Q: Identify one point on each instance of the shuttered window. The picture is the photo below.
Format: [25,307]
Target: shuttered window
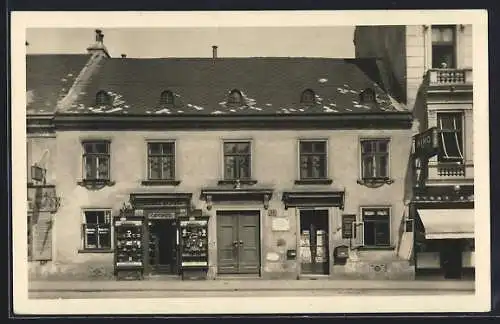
[42,236]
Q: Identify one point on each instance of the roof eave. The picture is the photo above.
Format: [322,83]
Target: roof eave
[384,120]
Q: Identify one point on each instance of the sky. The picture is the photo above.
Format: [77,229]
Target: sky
[334,41]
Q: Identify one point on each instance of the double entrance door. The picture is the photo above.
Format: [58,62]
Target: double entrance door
[238,242]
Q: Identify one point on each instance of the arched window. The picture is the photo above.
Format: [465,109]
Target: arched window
[235,97]
[102,98]
[367,96]
[167,98]
[307,97]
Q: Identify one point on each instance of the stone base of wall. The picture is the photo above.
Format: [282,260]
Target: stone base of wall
[74,271]
[374,270]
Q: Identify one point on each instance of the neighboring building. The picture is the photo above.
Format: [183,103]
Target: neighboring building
[282,154]
[429,68]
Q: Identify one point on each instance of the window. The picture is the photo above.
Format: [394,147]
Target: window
[312,159]
[166,98]
[235,98]
[96,160]
[161,161]
[308,97]
[367,96]
[375,159]
[102,98]
[97,230]
[376,223]
[451,138]
[237,160]
[443,47]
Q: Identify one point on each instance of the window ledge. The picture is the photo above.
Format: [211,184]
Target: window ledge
[96,251]
[314,182]
[233,182]
[376,248]
[375,182]
[96,184]
[160,182]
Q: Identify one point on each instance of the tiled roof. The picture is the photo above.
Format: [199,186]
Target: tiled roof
[49,78]
[201,86]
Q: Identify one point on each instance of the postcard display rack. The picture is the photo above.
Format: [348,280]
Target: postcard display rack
[313,250]
[128,249]
[194,247]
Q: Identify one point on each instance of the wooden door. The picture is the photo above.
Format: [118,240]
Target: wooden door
[248,243]
[227,238]
[238,242]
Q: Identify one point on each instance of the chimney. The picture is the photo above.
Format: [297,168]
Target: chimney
[124,55]
[214,51]
[98,46]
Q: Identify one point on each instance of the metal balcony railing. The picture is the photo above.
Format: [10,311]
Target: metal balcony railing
[450,170]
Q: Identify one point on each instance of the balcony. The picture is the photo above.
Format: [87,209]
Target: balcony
[450,172]
[450,77]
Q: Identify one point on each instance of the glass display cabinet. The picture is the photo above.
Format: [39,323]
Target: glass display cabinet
[194,247]
[128,249]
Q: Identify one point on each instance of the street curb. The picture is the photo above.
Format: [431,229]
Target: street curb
[243,289]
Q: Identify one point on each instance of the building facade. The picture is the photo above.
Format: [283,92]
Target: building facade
[434,78]
[300,165]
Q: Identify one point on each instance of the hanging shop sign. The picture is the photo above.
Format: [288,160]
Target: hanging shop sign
[38,173]
[426,143]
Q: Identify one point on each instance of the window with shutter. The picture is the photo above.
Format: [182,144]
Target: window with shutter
[42,236]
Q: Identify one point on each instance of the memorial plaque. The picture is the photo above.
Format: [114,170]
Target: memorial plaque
[280,224]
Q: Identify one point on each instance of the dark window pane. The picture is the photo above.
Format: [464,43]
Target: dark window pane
[450,145]
[243,147]
[368,167]
[304,167]
[382,146]
[366,146]
[229,167]
[382,166]
[319,147]
[443,56]
[244,167]
[103,168]
[369,230]
[381,233]
[91,217]
[154,168]
[101,147]
[104,233]
[168,168]
[230,148]
[306,147]
[168,148]
[154,148]
[88,148]
[90,167]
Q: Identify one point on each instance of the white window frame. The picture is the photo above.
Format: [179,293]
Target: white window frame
[250,141]
[84,161]
[438,126]
[327,157]
[111,228]
[161,141]
[362,221]
[360,154]
[428,46]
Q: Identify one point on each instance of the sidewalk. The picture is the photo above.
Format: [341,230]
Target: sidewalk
[247,285]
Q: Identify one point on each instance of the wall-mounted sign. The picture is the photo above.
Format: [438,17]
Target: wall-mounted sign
[162,215]
[427,143]
[347,223]
[37,173]
[280,224]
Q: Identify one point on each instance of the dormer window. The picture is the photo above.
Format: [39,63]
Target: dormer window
[102,98]
[167,98]
[367,96]
[235,97]
[307,97]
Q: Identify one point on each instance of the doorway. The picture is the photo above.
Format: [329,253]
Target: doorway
[451,256]
[238,242]
[163,246]
[314,252]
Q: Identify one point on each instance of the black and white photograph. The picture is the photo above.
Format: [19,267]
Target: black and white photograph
[270,162]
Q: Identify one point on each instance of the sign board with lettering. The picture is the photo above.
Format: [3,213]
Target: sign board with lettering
[347,223]
[280,224]
[426,143]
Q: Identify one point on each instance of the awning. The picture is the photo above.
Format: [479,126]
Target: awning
[447,223]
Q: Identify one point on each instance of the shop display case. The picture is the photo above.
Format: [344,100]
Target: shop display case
[194,247]
[128,249]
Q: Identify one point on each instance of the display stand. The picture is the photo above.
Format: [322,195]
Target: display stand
[194,247]
[128,248]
